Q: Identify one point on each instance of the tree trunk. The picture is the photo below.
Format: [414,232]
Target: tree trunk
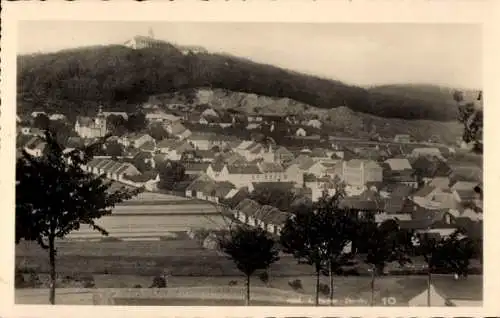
[331,285]
[317,286]
[372,286]
[247,298]
[52,260]
[429,286]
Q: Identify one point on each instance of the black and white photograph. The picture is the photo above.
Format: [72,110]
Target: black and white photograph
[163,163]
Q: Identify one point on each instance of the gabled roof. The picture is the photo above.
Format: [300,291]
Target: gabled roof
[398,164]
[177,128]
[148,146]
[243,169]
[168,144]
[283,151]
[196,166]
[248,207]
[424,191]
[271,167]
[464,185]
[466,195]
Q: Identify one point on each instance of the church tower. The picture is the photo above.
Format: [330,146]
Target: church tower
[100,122]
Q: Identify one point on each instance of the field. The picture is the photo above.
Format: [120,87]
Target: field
[135,263]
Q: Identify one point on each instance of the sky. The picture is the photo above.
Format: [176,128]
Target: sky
[360,54]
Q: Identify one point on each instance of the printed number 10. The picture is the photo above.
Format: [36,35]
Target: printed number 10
[389,301]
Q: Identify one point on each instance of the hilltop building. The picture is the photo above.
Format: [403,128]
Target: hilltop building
[143,42]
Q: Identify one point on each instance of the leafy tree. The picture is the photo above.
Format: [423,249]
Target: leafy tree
[300,237]
[114,149]
[136,122]
[251,249]
[470,114]
[456,252]
[55,196]
[41,121]
[428,247]
[170,173]
[385,243]
[339,229]
[445,253]
[322,235]
[158,132]
[274,196]
[116,124]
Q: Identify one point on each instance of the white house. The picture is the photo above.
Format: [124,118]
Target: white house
[239,175]
[300,132]
[315,123]
[57,117]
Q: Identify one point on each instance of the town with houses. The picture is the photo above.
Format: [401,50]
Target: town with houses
[203,163]
[403,179]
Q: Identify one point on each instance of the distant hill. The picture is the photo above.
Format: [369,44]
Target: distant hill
[76,81]
[439,96]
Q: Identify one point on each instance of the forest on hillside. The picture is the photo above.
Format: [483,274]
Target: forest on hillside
[76,81]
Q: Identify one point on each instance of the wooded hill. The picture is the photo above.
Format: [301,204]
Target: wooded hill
[75,81]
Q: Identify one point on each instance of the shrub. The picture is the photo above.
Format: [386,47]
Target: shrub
[159,282]
[33,281]
[324,289]
[295,284]
[264,277]
[88,282]
[19,279]
[233,283]
[137,286]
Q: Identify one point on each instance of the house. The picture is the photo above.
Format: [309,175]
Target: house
[149,180]
[178,130]
[200,141]
[315,123]
[148,146]
[283,155]
[35,146]
[446,291]
[209,112]
[204,155]
[196,168]
[357,172]
[318,154]
[223,141]
[398,164]
[255,118]
[440,182]
[38,113]
[123,115]
[245,210]
[87,127]
[174,148]
[135,140]
[239,175]
[319,186]
[252,151]
[111,169]
[300,132]
[57,117]
[433,198]
[295,174]
[272,172]
[253,126]
[402,138]
[427,152]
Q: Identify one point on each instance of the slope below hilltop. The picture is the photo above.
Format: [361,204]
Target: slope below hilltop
[340,120]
